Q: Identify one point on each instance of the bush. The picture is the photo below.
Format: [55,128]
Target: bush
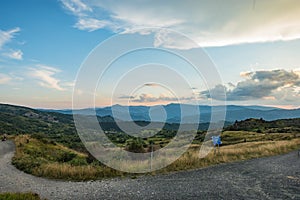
[259,131]
[66,157]
[77,161]
[38,136]
[136,146]
[26,163]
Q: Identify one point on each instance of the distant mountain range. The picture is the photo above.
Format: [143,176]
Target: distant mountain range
[171,113]
[18,119]
[21,120]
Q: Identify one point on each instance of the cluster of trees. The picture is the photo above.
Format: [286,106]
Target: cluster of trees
[263,126]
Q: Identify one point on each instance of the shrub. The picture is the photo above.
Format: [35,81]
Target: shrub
[66,157]
[90,158]
[26,163]
[77,161]
[136,146]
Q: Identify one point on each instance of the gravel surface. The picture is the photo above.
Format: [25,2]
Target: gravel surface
[275,177]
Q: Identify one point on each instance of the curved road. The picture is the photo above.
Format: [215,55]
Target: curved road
[275,177]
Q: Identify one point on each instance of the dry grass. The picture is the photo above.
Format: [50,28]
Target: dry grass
[69,172]
[66,171]
[56,161]
[231,153]
[38,158]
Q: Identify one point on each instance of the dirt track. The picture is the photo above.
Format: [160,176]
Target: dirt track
[275,177]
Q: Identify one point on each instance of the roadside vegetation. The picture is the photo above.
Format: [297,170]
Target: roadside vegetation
[42,157]
[47,144]
[232,153]
[46,158]
[19,196]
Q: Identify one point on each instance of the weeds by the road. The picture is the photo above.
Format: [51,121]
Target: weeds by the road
[48,159]
[19,196]
[231,153]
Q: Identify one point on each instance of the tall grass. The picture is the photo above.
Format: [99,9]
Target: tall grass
[42,158]
[45,159]
[231,153]
[68,172]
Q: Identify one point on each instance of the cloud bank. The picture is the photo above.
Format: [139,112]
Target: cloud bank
[268,85]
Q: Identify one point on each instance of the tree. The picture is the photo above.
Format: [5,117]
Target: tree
[136,146]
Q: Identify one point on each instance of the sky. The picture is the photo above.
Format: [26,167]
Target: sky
[253,45]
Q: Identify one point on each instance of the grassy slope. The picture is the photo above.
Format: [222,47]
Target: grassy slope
[41,153]
[232,153]
[47,159]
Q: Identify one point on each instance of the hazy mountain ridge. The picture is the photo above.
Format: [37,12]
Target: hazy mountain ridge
[173,113]
[18,119]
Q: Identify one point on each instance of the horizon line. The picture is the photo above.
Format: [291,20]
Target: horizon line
[284,107]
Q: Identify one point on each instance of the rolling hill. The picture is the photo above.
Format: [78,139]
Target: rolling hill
[20,120]
[173,112]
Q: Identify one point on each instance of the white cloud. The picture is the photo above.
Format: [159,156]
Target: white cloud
[77,7]
[45,75]
[173,40]
[14,54]
[84,13]
[143,98]
[209,23]
[4,78]
[6,36]
[69,84]
[90,24]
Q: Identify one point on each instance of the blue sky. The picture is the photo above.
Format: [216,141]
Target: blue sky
[253,44]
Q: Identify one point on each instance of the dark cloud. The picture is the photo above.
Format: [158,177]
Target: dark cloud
[151,84]
[257,85]
[279,75]
[218,92]
[231,84]
[149,98]
[126,97]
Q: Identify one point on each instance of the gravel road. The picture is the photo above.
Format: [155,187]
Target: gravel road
[275,177]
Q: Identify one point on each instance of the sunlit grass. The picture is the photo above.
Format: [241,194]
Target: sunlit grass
[56,161]
[231,153]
